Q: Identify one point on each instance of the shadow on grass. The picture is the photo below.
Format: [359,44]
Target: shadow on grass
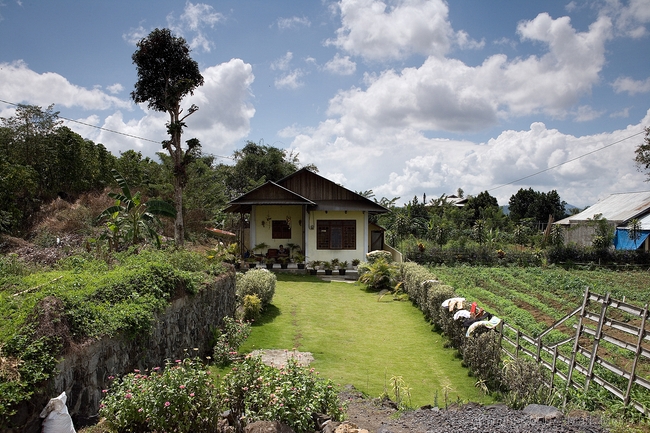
[301,278]
[268,316]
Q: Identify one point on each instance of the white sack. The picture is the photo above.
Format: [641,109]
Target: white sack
[57,419]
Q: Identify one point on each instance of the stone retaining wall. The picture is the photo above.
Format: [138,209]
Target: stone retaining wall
[83,372]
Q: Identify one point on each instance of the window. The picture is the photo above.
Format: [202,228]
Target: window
[281,229]
[336,235]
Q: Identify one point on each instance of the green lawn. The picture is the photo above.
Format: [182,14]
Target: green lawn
[357,340]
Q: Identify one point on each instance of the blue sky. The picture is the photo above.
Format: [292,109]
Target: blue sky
[403,97]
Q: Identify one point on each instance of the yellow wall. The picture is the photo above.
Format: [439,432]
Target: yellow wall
[262,230]
[342,255]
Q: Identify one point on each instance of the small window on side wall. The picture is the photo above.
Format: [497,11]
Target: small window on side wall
[281,229]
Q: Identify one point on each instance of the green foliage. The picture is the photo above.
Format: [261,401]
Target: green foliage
[251,307]
[482,355]
[289,394]
[180,398]
[130,220]
[229,338]
[381,275]
[642,158]
[259,282]
[373,256]
[526,382]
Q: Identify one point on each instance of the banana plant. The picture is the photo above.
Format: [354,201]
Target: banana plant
[130,219]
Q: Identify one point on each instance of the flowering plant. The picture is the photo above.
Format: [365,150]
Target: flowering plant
[290,394]
[228,340]
[181,397]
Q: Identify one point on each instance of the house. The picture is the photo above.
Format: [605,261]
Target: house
[618,209]
[322,219]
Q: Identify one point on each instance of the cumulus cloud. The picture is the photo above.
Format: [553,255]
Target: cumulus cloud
[585,113]
[194,19]
[341,65]
[223,118]
[20,84]
[115,88]
[394,29]
[292,23]
[446,94]
[630,19]
[290,80]
[631,86]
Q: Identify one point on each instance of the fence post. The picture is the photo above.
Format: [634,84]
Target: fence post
[576,345]
[639,348]
[594,349]
[517,346]
[553,368]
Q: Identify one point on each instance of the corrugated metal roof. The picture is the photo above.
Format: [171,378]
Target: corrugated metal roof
[619,208]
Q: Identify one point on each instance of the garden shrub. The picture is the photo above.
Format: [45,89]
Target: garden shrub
[482,355]
[228,339]
[251,308]
[373,256]
[259,282]
[436,294]
[181,397]
[381,275]
[289,394]
[526,382]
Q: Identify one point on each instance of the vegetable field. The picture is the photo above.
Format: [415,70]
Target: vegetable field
[612,350]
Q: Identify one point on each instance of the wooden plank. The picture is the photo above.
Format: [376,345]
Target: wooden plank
[621,326]
[628,308]
[561,321]
[639,349]
[597,337]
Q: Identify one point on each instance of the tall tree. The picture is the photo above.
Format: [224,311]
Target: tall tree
[527,203]
[166,74]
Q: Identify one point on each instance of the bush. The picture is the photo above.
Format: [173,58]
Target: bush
[289,394]
[180,398]
[228,339]
[381,275]
[251,308]
[526,382]
[259,282]
[373,256]
[482,355]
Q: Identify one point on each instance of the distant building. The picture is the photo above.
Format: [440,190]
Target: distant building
[618,209]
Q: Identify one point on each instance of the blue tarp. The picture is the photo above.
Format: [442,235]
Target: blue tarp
[622,239]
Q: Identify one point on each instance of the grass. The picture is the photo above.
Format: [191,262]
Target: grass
[357,340]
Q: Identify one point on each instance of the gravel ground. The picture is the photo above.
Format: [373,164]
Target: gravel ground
[382,417]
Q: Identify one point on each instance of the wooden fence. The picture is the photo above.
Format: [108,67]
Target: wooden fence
[606,347]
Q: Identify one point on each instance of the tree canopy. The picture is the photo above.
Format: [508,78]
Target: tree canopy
[536,205]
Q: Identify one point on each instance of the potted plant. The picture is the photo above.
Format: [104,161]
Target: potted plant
[328,268]
[269,263]
[342,267]
[355,263]
[252,262]
[260,247]
[335,263]
[313,267]
[300,260]
[284,262]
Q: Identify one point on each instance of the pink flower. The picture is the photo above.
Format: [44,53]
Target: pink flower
[182,387]
[104,391]
[128,395]
[156,368]
[191,394]
[136,370]
[140,410]
[178,360]
[167,404]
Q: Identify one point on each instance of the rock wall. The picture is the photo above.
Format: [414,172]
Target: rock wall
[83,372]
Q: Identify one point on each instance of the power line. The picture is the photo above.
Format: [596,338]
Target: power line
[106,129]
[566,162]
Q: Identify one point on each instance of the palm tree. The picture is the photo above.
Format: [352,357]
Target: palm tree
[131,220]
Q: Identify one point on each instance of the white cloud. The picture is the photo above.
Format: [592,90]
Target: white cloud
[585,113]
[115,88]
[630,19]
[290,80]
[631,86]
[283,63]
[293,22]
[135,35]
[393,30]
[341,65]
[223,118]
[465,42]
[20,84]
[624,113]
[194,19]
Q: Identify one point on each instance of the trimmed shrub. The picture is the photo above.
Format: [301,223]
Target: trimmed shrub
[482,355]
[526,383]
[436,294]
[251,307]
[373,256]
[259,282]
